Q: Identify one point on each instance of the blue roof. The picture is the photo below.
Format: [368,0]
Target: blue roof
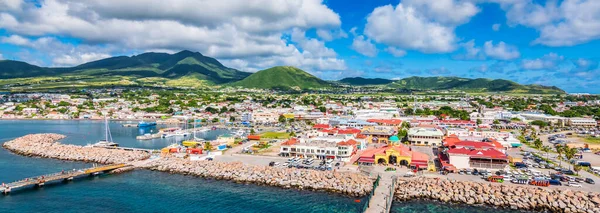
[394,138]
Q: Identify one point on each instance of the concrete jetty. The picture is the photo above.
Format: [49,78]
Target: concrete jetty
[41,180]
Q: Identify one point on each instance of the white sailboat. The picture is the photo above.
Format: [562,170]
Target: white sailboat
[108,141]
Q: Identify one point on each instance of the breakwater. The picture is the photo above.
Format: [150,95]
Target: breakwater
[352,184]
[47,146]
[498,195]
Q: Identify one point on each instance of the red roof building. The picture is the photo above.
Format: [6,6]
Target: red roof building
[395,155]
[254,137]
[321,126]
[386,122]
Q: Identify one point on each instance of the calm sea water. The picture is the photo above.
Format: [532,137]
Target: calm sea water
[147,191]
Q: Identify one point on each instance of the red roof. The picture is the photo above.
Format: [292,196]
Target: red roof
[479,153]
[474,145]
[451,140]
[253,137]
[385,121]
[290,142]
[349,131]
[456,122]
[347,143]
[321,126]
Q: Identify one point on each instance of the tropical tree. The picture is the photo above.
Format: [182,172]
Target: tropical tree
[577,168]
[559,149]
[281,119]
[478,121]
[570,154]
[252,132]
[537,143]
[546,149]
[208,146]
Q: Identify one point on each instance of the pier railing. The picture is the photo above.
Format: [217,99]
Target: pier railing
[390,198]
[367,202]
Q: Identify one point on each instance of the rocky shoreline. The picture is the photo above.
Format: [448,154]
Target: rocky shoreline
[497,195]
[47,146]
[352,184]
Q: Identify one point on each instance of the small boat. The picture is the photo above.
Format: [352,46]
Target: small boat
[239,133]
[146,124]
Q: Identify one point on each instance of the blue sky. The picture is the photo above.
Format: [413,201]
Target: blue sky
[529,41]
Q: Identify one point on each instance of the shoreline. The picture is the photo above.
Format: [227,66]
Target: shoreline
[497,195]
[47,146]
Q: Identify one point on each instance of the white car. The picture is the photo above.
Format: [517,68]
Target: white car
[575,184]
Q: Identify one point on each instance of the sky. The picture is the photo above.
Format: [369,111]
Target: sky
[553,42]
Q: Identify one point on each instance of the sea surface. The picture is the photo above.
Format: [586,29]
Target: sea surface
[149,191]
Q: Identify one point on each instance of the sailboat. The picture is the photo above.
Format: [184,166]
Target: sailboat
[107,136]
[194,141]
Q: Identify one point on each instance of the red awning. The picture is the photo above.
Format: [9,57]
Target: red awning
[366,160]
[331,157]
[419,164]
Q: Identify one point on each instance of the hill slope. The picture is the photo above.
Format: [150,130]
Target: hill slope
[470,85]
[281,77]
[181,64]
[18,69]
[360,81]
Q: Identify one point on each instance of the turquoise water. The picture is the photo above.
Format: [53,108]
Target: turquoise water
[148,191]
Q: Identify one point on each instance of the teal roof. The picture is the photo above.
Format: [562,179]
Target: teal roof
[394,138]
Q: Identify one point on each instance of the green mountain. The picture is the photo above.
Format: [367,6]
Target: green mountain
[171,66]
[471,85]
[282,77]
[360,81]
[18,69]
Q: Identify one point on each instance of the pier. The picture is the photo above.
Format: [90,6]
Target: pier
[382,196]
[39,181]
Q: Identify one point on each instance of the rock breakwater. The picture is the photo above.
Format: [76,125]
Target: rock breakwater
[352,184]
[507,196]
[47,146]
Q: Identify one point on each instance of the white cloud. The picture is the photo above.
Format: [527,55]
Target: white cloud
[8,5]
[547,62]
[62,54]
[330,35]
[364,46]
[501,51]
[396,52]
[496,27]
[469,52]
[569,23]
[426,26]
[253,30]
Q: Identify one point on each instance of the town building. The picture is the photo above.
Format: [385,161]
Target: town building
[378,134]
[425,136]
[319,148]
[582,122]
[394,154]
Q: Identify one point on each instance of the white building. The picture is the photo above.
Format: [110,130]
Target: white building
[265,117]
[319,148]
[424,136]
[586,122]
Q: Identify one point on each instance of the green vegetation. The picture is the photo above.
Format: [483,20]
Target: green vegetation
[539,123]
[593,140]
[472,85]
[359,81]
[282,77]
[275,135]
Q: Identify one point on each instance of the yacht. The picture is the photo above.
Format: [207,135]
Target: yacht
[107,136]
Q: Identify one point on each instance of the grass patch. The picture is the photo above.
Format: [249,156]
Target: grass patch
[275,135]
[593,140]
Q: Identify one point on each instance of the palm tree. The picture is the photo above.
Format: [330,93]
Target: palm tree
[577,168]
[570,154]
[559,149]
[537,144]
[208,146]
[546,149]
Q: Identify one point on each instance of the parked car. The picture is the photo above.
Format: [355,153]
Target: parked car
[555,182]
[590,181]
[574,184]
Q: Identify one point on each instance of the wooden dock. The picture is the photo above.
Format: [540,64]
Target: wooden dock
[39,181]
